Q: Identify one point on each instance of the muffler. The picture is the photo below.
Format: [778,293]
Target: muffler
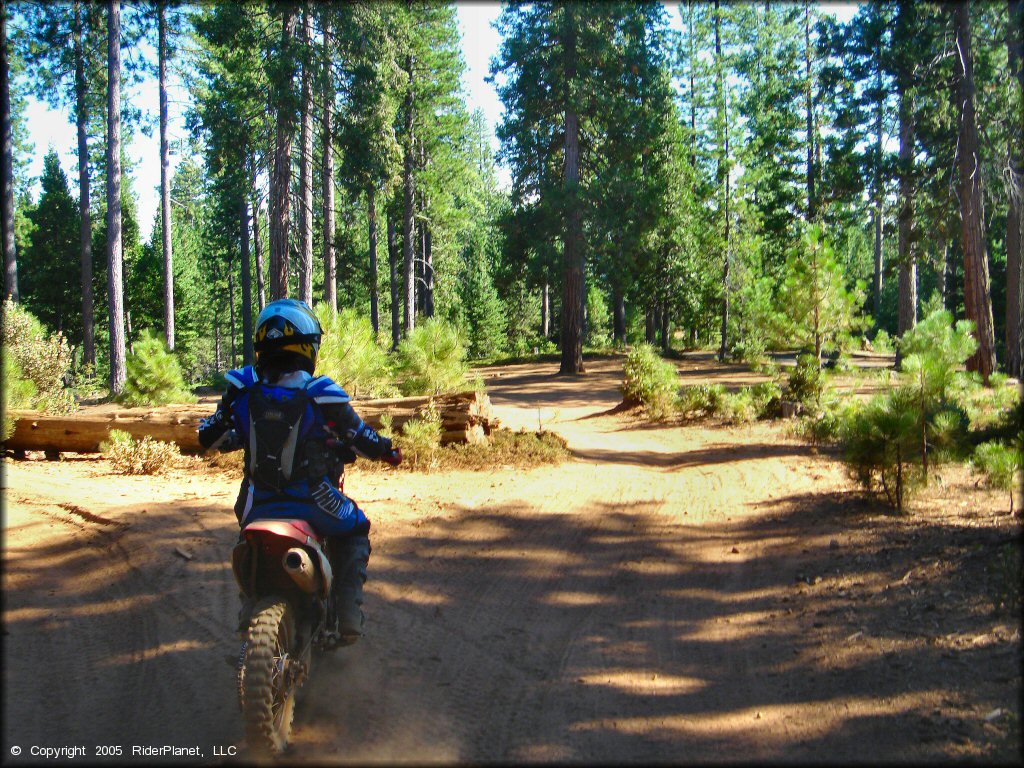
[299,565]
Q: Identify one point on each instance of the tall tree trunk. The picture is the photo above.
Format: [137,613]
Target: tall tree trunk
[428,271]
[943,276]
[371,223]
[243,228]
[618,313]
[306,167]
[330,265]
[1015,213]
[907,284]
[115,288]
[545,310]
[876,194]
[165,180]
[231,307]
[257,242]
[693,98]
[666,341]
[7,163]
[216,339]
[396,328]
[650,326]
[977,289]
[280,181]
[408,236]
[723,171]
[85,227]
[573,259]
[812,203]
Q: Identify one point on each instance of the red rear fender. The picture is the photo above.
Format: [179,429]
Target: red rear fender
[297,530]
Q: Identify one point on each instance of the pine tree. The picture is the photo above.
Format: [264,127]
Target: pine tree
[49,289]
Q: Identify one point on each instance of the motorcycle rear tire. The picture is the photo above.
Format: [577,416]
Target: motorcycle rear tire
[268,699]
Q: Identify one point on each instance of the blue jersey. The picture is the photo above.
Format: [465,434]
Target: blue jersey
[306,487]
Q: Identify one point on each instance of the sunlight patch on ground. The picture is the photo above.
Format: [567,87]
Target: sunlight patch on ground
[781,725]
[178,646]
[646,681]
[101,608]
[575,599]
[410,594]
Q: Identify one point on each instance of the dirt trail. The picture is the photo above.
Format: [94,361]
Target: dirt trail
[674,593]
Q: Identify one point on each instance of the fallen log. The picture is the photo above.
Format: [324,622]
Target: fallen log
[465,417]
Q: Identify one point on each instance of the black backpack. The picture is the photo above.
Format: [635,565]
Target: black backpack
[275,450]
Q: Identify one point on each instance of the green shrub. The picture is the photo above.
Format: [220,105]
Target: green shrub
[941,347]
[701,399]
[650,381]
[431,360]
[1000,464]
[891,441]
[129,456]
[421,439]
[882,342]
[738,408]
[17,392]
[767,396]
[42,358]
[880,444]
[351,356]
[806,383]
[153,375]
[505,447]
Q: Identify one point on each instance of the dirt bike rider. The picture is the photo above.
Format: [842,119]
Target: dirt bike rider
[298,431]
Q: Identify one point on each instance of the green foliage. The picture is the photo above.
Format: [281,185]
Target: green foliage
[882,342]
[650,381]
[766,396]
[153,375]
[881,443]
[701,399]
[739,407]
[504,448]
[939,348]
[598,318]
[17,392]
[50,289]
[129,456]
[351,356]
[1000,464]
[892,441]
[806,383]
[421,439]
[42,358]
[818,309]
[483,312]
[431,360]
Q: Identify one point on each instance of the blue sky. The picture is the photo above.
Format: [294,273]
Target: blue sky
[480,40]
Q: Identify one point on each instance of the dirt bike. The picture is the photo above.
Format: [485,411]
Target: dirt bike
[283,570]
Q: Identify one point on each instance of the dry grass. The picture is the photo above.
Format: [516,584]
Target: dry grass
[504,448]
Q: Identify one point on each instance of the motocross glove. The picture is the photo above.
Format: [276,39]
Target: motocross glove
[394,458]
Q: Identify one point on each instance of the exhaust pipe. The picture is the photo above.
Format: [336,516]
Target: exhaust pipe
[299,565]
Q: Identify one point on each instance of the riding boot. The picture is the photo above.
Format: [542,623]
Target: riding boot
[351,555]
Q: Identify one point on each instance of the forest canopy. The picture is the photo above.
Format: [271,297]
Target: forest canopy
[741,177]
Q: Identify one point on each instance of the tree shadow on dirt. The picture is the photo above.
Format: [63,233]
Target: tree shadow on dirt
[620,641]
[719,454]
[112,637]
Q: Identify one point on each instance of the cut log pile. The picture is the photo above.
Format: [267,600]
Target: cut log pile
[466,417]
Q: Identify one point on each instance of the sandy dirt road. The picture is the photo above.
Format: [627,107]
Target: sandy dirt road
[681,593]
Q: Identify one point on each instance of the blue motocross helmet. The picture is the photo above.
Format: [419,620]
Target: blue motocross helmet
[288,328]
